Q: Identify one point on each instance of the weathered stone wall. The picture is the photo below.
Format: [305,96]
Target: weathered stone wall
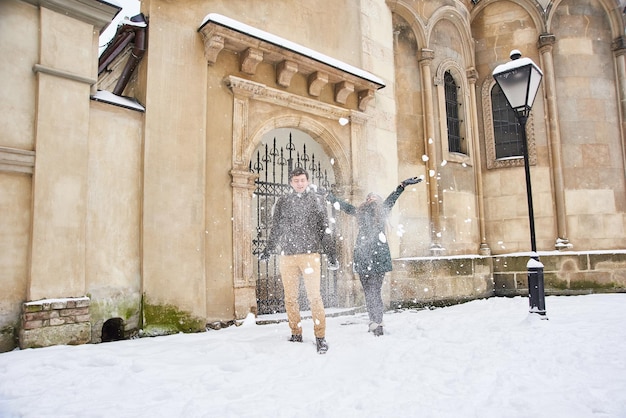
[438,281]
[564,273]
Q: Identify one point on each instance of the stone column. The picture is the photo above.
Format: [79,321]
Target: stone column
[243,275]
[484,249]
[425,58]
[619,50]
[545,44]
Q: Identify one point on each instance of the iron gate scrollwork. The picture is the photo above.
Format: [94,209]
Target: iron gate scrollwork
[273,164]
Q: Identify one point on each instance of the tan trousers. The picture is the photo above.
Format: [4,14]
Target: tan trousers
[307,266]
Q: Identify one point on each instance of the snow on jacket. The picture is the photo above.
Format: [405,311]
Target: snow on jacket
[300,225]
[371,250]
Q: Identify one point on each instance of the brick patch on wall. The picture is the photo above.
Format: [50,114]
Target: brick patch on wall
[48,322]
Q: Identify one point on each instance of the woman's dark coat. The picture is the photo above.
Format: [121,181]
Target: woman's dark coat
[371,250]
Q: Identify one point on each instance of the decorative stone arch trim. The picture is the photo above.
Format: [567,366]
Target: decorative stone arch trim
[299,112]
[614,11]
[532,7]
[460,20]
[414,20]
[490,140]
[459,75]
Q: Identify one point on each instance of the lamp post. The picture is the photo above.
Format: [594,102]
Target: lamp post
[519,80]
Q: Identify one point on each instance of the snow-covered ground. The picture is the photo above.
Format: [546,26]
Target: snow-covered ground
[485,358]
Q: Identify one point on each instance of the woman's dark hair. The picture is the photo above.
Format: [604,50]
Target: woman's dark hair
[298,171]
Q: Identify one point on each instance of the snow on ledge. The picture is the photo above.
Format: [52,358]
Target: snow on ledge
[292,46]
[57,300]
[127,102]
[517,254]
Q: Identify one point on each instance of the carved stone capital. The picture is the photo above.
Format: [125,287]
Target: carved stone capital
[619,45]
[425,56]
[243,179]
[546,42]
[472,75]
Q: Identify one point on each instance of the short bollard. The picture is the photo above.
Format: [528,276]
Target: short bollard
[536,293]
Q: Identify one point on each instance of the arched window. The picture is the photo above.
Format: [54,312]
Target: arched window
[506,128]
[452,114]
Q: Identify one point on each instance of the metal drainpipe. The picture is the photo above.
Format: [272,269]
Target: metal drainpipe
[111,53]
[135,57]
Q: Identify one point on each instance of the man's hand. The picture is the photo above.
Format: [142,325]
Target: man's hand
[333,263]
[264,255]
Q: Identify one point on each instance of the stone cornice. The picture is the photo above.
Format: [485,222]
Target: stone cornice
[287,61]
[94,12]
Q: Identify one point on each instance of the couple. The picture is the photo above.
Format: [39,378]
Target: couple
[300,225]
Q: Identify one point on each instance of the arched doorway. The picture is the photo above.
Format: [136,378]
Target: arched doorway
[280,151]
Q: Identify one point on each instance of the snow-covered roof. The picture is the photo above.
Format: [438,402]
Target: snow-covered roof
[292,46]
[122,101]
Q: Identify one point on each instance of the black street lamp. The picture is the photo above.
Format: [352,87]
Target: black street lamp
[519,80]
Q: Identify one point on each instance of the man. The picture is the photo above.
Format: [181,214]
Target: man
[300,227]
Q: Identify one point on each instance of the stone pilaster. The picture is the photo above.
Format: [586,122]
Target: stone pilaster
[545,44]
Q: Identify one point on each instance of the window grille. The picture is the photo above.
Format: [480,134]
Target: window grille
[452,114]
[506,128]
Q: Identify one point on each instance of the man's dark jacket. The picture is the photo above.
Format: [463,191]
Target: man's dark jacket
[300,226]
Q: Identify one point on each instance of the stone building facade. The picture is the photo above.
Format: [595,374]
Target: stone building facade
[138,206]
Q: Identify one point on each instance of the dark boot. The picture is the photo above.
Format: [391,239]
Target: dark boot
[378,331]
[322,345]
[295,338]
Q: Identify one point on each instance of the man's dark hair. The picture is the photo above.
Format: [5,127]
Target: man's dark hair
[298,171]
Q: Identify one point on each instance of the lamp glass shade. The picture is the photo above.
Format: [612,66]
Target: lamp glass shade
[519,80]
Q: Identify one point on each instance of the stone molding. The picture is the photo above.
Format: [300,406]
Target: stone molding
[38,68]
[16,160]
[490,140]
[95,13]
[464,108]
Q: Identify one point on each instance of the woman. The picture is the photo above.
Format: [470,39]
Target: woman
[372,258]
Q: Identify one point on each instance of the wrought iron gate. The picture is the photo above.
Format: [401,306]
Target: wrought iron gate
[273,164]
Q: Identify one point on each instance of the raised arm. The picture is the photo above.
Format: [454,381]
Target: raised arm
[393,197]
[343,205]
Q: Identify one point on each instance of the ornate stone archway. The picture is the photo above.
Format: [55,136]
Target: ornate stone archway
[317,119]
